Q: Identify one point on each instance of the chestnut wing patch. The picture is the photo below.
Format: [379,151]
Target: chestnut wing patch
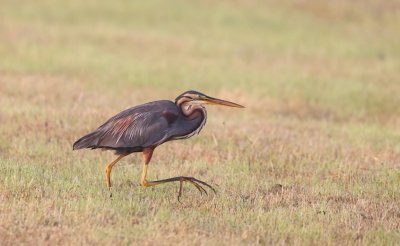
[170,117]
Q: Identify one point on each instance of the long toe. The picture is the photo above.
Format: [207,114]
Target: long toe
[195,183]
[189,180]
[204,183]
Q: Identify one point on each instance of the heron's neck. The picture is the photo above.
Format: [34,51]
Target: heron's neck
[196,113]
[191,112]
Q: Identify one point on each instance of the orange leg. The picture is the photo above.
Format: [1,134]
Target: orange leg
[147,154]
[108,170]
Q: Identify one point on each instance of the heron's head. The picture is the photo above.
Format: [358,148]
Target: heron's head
[197,98]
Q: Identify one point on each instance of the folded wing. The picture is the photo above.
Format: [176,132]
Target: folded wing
[134,128]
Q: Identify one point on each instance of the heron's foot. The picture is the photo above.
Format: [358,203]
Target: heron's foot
[194,182]
[181,179]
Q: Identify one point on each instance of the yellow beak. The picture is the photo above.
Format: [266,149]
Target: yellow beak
[215,101]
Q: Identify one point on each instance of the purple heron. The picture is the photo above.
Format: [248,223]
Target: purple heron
[145,127]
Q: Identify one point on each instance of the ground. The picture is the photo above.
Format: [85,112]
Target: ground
[313,159]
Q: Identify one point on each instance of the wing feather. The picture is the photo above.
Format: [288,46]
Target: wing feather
[140,126]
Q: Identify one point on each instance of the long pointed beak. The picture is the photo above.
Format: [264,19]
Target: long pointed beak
[215,101]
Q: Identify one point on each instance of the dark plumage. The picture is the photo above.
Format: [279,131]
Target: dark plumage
[144,127]
[134,129]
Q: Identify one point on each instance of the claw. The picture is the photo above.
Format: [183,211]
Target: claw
[204,183]
[193,183]
[196,185]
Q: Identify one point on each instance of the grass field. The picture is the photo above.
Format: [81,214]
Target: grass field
[314,159]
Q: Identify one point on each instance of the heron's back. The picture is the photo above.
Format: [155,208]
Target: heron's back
[133,129]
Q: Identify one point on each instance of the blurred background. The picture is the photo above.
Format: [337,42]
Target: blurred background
[313,59]
[319,80]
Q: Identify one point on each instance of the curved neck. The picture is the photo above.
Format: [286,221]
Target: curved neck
[189,113]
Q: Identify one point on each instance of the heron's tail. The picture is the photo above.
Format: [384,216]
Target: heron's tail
[89,141]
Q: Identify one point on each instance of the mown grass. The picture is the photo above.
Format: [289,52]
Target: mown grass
[313,159]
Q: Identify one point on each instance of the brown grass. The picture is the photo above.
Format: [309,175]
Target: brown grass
[314,158]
